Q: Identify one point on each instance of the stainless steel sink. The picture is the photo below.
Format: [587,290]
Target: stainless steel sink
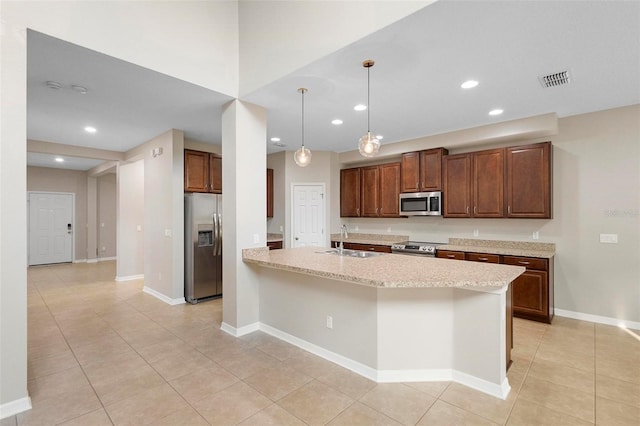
[352,253]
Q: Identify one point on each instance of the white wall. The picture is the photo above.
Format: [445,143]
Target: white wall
[130,215]
[107,192]
[596,190]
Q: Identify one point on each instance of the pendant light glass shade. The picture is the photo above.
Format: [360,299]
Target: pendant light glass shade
[302,156]
[368,145]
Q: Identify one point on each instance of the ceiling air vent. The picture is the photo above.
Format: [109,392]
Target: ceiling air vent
[556,79]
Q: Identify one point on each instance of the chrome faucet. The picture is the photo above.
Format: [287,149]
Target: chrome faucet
[343,232]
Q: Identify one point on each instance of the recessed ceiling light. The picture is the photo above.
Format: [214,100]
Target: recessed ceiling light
[360,107]
[336,122]
[280,144]
[90,129]
[469,84]
[275,139]
[59,160]
[497,111]
[379,137]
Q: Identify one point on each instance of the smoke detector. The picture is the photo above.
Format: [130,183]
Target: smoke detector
[556,79]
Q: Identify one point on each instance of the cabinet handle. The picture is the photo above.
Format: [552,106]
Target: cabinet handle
[484,259]
[522,262]
[377,211]
[372,248]
[358,211]
[509,209]
[475,209]
[451,256]
[418,186]
[467,209]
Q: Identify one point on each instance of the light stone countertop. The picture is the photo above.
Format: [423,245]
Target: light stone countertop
[387,270]
[509,248]
[377,239]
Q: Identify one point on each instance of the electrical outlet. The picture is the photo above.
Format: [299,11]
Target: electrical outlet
[476,233]
[256,238]
[329,321]
[167,232]
[281,228]
[609,238]
[536,235]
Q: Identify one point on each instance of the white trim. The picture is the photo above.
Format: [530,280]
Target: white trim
[92,261]
[598,319]
[80,261]
[325,227]
[237,332]
[393,376]
[130,278]
[12,408]
[106,259]
[162,297]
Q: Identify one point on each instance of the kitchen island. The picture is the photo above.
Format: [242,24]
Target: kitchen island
[391,318]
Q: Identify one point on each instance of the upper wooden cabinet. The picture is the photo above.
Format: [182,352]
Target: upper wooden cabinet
[350,192]
[422,170]
[202,172]
[457,186]
[529,180]
[371,191]
[270,193]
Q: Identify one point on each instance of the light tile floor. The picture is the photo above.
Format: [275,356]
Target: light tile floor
[103,353]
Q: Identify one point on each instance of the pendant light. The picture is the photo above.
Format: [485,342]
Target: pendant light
[302,156]
[368,145]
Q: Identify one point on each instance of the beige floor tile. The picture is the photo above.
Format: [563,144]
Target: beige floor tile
[360,414]
[279,350]
[347,382]
[54,346]
[101,351]
[63,381]
[182,363]
[616,413]
[442,414]
[527,413]
[250,362]
[562,374]
[618,369]
[432,388]
[315,403]
[277,382]
[311,365]
[618,390]
[231,406]
[59,406]
[489,407]
[141,338]
[202,383]
[39,367]
[94,418]
[582,361]
[184,417]
[273,415]
[157,351]
[129,385]
[115,368]
[147,407]
[398,401]
[559,398]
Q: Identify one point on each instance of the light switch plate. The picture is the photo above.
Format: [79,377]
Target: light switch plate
[476,232]
[536,235]
[256,238]
[609,238]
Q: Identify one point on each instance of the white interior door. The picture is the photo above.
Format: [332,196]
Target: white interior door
[50,228]
[308,215]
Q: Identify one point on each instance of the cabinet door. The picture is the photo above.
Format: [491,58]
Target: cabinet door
[350,192]
[370,191]
[488,183]
[389,190]
[196,171]
[530,295]
[529,181]
[457,185]
[431,169]
[410,165]
[270,193]
[483,257]
[215,173]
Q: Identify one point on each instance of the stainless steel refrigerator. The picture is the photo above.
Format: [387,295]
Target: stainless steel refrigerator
[202,246]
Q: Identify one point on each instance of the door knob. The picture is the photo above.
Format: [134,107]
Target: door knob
[296,238]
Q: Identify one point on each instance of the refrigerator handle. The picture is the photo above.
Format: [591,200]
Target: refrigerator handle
[215,234]
[219,234]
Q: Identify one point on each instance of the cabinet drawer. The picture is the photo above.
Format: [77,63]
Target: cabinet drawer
[528,262]
[448,254]
[274,245]
[483,257]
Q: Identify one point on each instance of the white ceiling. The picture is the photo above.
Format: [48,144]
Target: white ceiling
[415,85]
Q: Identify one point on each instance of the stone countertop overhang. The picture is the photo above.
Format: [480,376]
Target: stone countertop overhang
[386,270]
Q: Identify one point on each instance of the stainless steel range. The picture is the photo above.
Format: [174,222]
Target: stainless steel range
[416,248]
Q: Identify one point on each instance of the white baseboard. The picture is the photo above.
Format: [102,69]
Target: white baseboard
[162,297]
[598,319]
[130,277]
[393,376]
[237,332]
[106,259]
[79,261]
[92,260]
[12,408]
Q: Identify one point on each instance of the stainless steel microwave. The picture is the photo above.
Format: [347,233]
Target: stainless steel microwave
[421,204]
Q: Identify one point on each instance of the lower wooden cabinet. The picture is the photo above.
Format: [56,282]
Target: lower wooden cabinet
[532,291]
[274,245]
[364,247]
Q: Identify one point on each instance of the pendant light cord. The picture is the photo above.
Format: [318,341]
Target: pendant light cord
[368,100]
[302,91]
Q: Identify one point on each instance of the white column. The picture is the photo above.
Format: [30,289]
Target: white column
[244,132]
[14,396]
